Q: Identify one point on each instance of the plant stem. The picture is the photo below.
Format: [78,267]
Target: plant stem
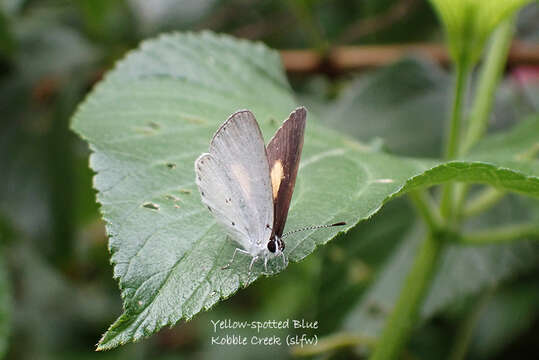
[427,209]
[506,233]
[489,78]
[452,150]
[482,201]
[452,147]
[400,322]
[402,319]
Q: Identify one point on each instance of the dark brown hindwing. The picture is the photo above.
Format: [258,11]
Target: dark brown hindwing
[284,152]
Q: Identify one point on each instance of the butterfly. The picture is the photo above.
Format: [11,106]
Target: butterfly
[248,186]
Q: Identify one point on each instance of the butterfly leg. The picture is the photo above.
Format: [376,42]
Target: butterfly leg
[250,268]
[266,264]
[284,259]
[233,255]
[252,263]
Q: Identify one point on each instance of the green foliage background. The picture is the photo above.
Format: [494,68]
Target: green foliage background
[57,293]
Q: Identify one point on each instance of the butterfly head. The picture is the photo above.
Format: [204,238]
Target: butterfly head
[275,245]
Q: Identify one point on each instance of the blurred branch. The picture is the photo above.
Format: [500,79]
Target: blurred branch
[500,234]
[347,58]
[379,22]
[523,53]
[426,207]
[483,201]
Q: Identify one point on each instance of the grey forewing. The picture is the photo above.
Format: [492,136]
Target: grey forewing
[234,181]
[285,147]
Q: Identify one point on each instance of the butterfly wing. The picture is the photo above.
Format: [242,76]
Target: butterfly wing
[284,152]
[233,180]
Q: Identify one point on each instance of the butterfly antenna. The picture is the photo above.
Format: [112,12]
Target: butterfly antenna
[313,228]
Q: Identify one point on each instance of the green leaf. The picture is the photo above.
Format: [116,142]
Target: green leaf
[156,112]
[405,98]
[519,147]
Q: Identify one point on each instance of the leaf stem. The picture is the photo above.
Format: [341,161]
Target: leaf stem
[500,234]
[426,207]
[482,201]
[398,327]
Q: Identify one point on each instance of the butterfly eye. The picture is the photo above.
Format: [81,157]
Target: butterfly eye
[272,246]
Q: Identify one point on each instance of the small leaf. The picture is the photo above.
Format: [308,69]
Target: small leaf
[468,24]
[160,106]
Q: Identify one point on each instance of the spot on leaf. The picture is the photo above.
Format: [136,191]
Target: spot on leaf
[172,197]
[150,205]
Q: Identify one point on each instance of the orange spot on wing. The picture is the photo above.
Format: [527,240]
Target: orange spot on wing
[277,175]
